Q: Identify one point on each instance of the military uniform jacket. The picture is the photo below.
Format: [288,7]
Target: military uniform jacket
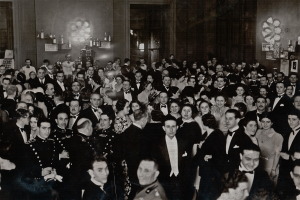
[152,192]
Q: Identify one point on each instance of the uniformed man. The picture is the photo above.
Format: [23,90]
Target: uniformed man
[40,173]
[147,174]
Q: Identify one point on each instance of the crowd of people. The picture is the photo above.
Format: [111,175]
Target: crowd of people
[170,130]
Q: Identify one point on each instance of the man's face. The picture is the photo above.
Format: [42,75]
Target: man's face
[209,63]
[100,171]
[297,102]
[163,98]
[90,71]
[263,81]
[261,104]
[5,83]
[74,107]
[138,76]
[230,120]
[50,90]
[219,68]
[167,81]
[62,120]
[280,89]
[68,57]
[25,119]
[221,82]
[293,121]
[27,62]
[2,69]
[41,74]
[126,86]
[270,77]
[170,128]
[44,130]
[263,92]
[60,77]
[165,73]
[295,174]
[250,159]
[254,75]
[75,87]
[105,122]
[147,173]
[95,100]
[50,68]
[80,77]
[279,77]
[293,78]
[192,82]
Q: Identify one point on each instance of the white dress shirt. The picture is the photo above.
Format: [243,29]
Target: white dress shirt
[62,86]
[164,108]
[249,176]
[277,99]
[292,137]
[229,138]
[172,147]
[128,96]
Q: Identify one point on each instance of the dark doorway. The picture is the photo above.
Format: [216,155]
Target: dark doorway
[6,27]
[149,32]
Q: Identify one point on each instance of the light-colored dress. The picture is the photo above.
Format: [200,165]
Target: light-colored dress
[270,143]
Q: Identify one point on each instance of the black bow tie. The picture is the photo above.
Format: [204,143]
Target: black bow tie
[128,92]
[22,129]
[297,192]
[230,133]
[167,88]
[27,66]
[249,172]
[76,95]
[279,96]
[73,116]
[138,82]
[163,106]
[95,109]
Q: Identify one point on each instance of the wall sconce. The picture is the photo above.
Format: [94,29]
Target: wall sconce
[141,46]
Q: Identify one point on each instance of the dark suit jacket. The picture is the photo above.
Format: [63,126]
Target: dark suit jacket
[89,114]
[58,89]
[252,115]
[120,94]
[261,181]
[136,89]
[280,113]
[157,106]
[162,88]
[36,82]
[239,140]
[93,192]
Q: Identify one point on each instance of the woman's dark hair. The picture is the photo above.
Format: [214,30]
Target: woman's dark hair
[267,115]
[242,108]
[137,102]
[120,105]
[210,121]
[247,120]
[233,179]
[250,96]
[121,77]
[174,89]
[193,109]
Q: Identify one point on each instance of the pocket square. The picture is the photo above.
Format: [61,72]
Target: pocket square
[236,146]
[185,154]
[281,105]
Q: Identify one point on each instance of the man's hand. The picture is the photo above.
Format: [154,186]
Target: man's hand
[284,156]
[64,154]
[6,164]
[46,171]
[207,157]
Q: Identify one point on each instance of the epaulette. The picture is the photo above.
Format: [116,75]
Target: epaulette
[151,188]
[30,141]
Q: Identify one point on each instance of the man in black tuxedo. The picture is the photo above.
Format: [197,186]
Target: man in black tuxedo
[59,84]
[59,106]
[280,107]
[41,80]
[236,139]
[165,87]
[131,144]
[294,192]
[126,70]
[75,109]
[258,180]
[127,92]
[261,104]
[14,134]
[75,93]
[3,86]
[137,84]
[174,158]
[163,103]
[293,81]
[290,144]
[94,111]
[222,87]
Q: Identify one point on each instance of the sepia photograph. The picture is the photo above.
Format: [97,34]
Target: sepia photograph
[149,100]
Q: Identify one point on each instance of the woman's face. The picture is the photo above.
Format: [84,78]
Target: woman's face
[215,84]
[126,109]
[204,108]
[289,90]
[119,80]
[266,123]
[186,113]
[150,78]
[220,101]
[100,72]
[33,123]
[251,127]
[249,100]
[135,106]
[174,108]
[32,75]
[240,91]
